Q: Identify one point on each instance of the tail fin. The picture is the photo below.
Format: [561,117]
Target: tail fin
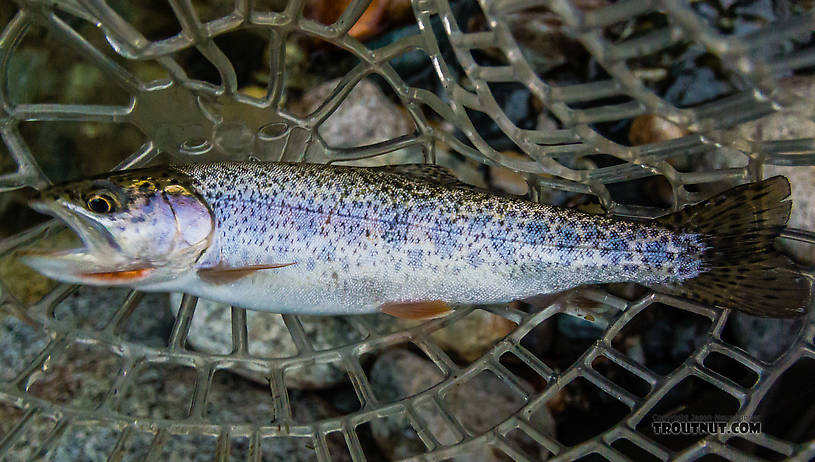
[741,267]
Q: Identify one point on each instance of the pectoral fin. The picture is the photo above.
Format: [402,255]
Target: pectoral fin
[219,275]
[426,309]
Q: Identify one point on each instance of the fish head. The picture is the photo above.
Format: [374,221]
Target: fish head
[137,228]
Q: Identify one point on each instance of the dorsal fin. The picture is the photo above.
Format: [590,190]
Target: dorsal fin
[426,172]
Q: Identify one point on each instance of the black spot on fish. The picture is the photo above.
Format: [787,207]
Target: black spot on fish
[415,258]
[570,237]
[474,258]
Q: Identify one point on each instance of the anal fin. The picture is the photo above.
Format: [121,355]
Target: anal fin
[219,275]
[417,310]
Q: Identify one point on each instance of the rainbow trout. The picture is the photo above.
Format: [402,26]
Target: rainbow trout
[408,240]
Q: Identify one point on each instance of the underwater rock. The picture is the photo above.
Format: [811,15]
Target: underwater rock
[377,17]
[366,116]
[254,91]
[83,376]
[83,82]
[19,344]
[465,170]
[651,128]
[80,377]
[541,39]
[297,64]
[546,122]
[573,327]
[507,180]
[669,339]
[211,331]
[92,307]
[541,36]
[720,159]
[765,338]
[25,284]
[693,82]
[795,121]
[399,373]
[29,79]
[26,446]
[86,442]
[473,335]
[232,400]
[802,183]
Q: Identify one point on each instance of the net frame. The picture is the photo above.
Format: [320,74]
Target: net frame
[544,151]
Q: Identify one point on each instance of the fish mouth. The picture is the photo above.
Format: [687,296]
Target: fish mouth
[99,251]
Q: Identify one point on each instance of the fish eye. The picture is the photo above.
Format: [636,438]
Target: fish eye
[101,203]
